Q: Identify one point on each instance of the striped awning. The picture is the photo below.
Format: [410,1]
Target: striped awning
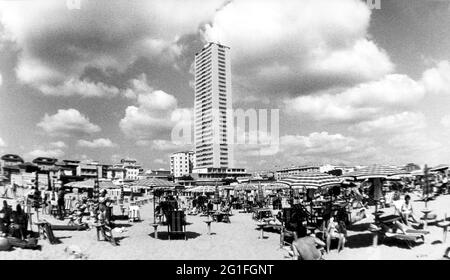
[311,180]
[375,171]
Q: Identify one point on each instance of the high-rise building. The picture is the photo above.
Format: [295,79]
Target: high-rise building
[213,107]
[182,163]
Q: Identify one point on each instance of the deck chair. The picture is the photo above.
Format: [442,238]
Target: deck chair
[45,228]
[176,223]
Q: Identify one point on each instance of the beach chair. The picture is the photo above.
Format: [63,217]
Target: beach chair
[45,229]
[176,223]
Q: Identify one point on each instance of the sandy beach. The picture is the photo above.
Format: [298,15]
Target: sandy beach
[237,240]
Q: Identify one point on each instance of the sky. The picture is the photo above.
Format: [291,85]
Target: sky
[111,79]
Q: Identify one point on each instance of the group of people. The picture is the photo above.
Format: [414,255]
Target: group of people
[13,223]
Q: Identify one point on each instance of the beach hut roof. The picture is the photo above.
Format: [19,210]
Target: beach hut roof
[202,189]
[311,180]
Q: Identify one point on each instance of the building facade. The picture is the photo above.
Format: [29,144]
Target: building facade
[213,108]
[182,163]
[131,167]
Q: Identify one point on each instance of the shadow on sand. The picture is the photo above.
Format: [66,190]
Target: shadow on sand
[164,235]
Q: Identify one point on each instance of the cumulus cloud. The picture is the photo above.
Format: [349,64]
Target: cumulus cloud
[155,113]
[97,143]
[58,144]
[437,79]
[317,42]
[71,40]
[360,102]
[397,123]
[67,122]
[316,143]
[80,87]
[166,145]
[56,153]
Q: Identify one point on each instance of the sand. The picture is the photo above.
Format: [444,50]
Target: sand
[237,240]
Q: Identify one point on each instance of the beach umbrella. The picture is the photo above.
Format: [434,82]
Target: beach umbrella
[310,180]
[440,167]
[375,171]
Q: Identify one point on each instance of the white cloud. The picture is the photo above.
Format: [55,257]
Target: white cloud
[66,122]
[82,88]
[397,123]
[93,37]
[361,102]
[316,143]
[166,145]
[97,143]
[155,113]
[437,80]
[56,153]
[412,146]
[445,121]
[159,161]
[2,143]
[1,80]
[315,41]
[58,144]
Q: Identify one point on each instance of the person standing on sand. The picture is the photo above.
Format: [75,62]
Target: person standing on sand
[61,204]
[5,192]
